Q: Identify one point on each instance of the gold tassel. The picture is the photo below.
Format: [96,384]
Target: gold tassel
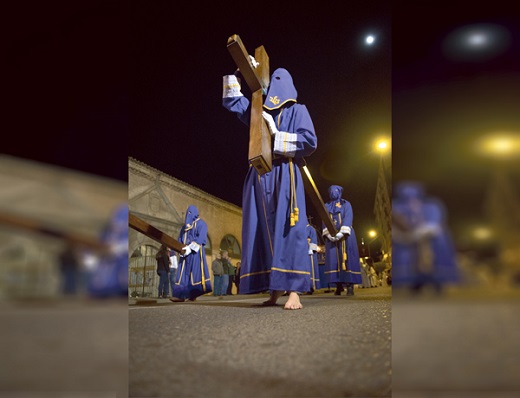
[344,263]
[294,212]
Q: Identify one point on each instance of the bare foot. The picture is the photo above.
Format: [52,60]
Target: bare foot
[293,303]
[275,295]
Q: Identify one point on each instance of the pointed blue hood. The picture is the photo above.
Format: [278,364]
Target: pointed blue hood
[281,90]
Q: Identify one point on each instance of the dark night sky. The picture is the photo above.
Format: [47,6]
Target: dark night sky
[66,85]
[85,94]
[443,103]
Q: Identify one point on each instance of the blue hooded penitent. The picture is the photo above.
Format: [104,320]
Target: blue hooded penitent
[274,252]
[193,278]
[342,257]
[410,266]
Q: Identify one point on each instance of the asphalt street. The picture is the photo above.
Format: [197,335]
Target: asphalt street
[336,346]
[464,344]
[64,348]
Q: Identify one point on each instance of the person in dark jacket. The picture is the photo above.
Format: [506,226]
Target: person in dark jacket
[163,269]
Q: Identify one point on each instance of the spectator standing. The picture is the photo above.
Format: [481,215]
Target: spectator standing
[218,276]
[231,276]
[69,268]
[163,269]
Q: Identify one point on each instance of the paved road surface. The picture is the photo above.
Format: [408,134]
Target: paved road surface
[462,345]
[336,346]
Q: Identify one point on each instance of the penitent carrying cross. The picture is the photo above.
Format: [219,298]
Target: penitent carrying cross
[260,152]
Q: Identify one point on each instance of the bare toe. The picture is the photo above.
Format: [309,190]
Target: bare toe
[293,306]
[294,302]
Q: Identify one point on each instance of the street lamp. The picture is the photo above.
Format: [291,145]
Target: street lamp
[373,235]
[382,203]
[382,145]
[482,233]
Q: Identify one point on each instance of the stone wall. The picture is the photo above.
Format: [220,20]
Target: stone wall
[162,201]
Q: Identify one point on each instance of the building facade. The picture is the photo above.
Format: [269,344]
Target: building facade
[162,200]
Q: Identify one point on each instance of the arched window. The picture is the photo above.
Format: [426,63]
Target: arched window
[230,243]
[142,271]
[208,247]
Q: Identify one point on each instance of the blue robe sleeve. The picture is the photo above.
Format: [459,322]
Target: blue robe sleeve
[240,106]
[312,235]
[297,138]
[201,234]
[346,219]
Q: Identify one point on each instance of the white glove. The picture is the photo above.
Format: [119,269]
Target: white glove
[331,238]
[194,247]
[187,251]
[270,123]
[310,251]
[254,62]
[231,87]
[339,235]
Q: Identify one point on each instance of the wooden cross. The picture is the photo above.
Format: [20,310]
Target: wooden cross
[257,79]
[149,230]
[317,201]
[34,226]
[260,153]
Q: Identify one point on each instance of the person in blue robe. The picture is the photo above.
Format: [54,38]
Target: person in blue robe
[274,236]
[342,265]
[312,239]
[193,278]
[423,253]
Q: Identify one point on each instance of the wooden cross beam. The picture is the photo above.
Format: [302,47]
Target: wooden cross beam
[257,79]
[142,226]
[317,201]
[31,225]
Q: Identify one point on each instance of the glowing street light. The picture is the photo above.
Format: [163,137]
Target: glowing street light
[382,145]
[500,145]
[482,233]
[372,233]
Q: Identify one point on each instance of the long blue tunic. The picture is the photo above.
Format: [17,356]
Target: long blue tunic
[274,253]
[342,257]
[193,278]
